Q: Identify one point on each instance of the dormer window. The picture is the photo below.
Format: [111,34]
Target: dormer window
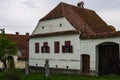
[60,25]
[42,27]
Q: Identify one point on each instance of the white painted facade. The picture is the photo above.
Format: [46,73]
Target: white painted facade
[60,59]
[53,26]
[89,46]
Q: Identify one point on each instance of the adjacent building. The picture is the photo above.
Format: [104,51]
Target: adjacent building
[22,45]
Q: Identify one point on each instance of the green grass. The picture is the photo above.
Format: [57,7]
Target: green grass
[40,76]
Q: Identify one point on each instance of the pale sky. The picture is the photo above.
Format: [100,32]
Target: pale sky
[22,15]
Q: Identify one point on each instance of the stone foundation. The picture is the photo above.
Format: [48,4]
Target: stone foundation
[59,70]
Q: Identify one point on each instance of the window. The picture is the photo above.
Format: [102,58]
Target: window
[45,48]
[42,27]
[56,47]
[36,47]
[60,25]
[67,48]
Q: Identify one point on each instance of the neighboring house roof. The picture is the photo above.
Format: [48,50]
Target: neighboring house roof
[22,44]
[84,20]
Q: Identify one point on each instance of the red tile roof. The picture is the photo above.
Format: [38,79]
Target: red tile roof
[101,35]
[84,20]
[22,44]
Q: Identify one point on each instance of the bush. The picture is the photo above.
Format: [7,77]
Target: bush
[11,74]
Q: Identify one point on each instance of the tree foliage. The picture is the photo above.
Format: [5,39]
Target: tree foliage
[7,48]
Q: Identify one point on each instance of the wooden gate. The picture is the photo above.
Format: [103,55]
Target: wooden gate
[85,63]
[108,59]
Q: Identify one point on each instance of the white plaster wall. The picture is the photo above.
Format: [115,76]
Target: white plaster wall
[88,46]
[60,59]
[53,26]
[18,64]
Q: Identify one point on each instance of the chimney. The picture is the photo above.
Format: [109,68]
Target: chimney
[27,34]
[81,4]
[17,33]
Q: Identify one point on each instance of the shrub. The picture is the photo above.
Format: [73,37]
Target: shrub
[11,74]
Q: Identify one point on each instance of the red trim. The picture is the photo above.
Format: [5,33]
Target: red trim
[71,49]
[63,49]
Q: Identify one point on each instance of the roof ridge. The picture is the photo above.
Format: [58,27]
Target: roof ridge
[63,9]
[75,6]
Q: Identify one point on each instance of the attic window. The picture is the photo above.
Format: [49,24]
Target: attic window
[60,25]
[42,27]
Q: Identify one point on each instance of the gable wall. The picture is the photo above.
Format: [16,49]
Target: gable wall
[53,26]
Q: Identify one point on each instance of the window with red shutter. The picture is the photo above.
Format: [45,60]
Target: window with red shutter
[45,48]
[36,47]
[68,48]
[56,47]
[48,49]
[71,49]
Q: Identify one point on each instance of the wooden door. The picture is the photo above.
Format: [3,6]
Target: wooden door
[109,59]
[85,63]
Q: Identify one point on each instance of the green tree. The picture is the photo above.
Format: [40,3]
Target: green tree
[7,49]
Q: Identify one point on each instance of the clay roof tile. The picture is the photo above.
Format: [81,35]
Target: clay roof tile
[84,20]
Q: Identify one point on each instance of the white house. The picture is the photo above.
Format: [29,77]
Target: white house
[74,39]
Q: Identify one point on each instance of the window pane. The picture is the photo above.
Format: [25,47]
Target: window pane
[45,49]
[67,49]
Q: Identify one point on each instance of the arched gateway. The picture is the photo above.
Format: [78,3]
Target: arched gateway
[108,58]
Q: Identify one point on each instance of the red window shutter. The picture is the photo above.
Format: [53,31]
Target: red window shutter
[63,49]
[47,49]
[42,49]
[45,44]
[67,43]
[71,49]
[56,47]
[36,47]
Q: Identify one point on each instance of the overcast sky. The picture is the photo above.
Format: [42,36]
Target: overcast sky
[22,15]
